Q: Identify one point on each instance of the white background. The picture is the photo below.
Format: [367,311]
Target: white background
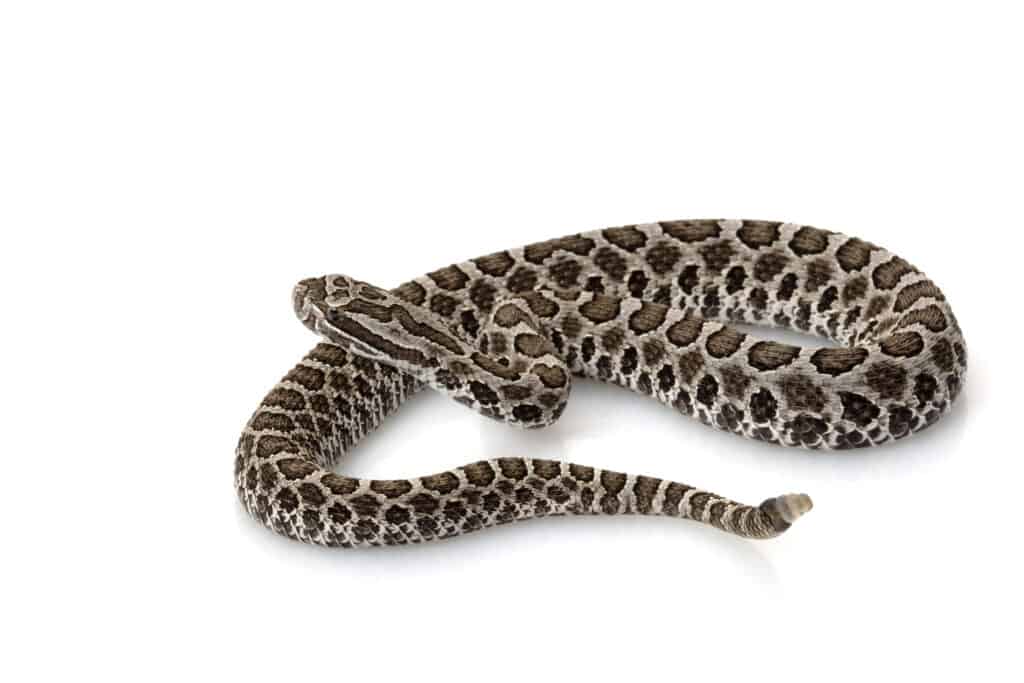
[169,170]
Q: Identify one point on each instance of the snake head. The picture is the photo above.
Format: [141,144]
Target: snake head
[324,303]
[313,297]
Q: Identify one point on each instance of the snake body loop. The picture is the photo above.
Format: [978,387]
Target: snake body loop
[647,307]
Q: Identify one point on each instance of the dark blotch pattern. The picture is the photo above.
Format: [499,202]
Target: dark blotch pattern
[858,409]
[854,254]
[450,278]
[663,257]
[836,362]
[707,390]
[684,332]
[770,265]
[887,378]
[757,234]
[725,342]
[691,231]
[808,241]
[888,274]
[628,237]
[770,355]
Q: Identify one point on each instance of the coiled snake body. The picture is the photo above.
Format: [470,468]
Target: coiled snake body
[646,307]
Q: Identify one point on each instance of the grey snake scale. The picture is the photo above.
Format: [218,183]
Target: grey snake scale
[647,307]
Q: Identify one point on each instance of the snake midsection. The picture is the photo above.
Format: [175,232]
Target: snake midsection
[647,307]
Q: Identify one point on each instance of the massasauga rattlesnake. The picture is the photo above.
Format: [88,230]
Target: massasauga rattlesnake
[646,307]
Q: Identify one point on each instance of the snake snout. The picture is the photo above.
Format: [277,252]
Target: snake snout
[303,295]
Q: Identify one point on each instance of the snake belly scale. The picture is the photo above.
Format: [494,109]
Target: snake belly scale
[647,307]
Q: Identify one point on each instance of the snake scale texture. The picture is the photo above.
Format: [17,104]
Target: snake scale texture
[647,307]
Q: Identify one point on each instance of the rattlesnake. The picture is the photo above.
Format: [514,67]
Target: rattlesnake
[646,307]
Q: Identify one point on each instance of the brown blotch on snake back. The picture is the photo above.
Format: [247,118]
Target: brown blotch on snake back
[582,472]
[449,278]
[423,503]
[483,295]
[674,493]
[663,256]
[648,317]
[565,273]
[809,241]
[512,468]
[627,237]
[888,274]
[819,274]
[600,309]
[836,362]
[391,488]
[338,484]
[613,482]
[413,292]
[532,345]
[307,377]
[757,234]
[521,280]
[725,342]
[686,331]
[854,254]
[691,231]
[547,469]
[770,355]
[443,483]
[540,305]
[769,265]
[288,399]
[911,294]
[644,490]
[902,344]
[611,262]
[479,473]
[296,468]
[495,265]
[717,256]
[277,422]
[577,244]
[552,377]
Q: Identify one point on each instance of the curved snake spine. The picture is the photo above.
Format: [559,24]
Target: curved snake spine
[646,307]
